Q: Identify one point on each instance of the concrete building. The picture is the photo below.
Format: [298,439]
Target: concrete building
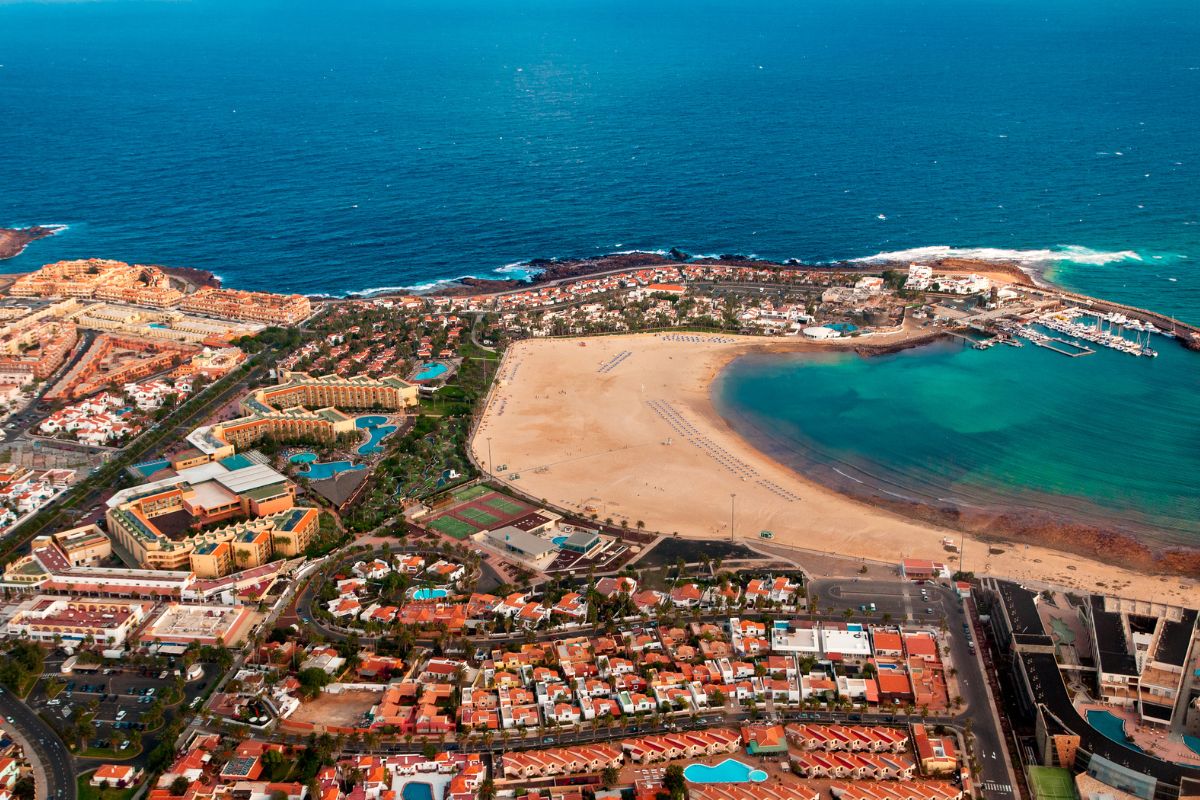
[169,524]
[73,621]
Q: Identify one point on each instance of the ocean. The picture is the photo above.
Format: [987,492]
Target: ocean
[299,146]
[333,148]
[1107,439]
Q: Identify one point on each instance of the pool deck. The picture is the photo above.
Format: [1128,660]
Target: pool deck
[1154,739]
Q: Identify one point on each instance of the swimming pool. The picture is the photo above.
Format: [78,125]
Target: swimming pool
[1193,743]
[319,470]
[843,327]
[728,771]
[559,541]
[429,594]
[417,790]
[430,371]
[376,431]
[148,468]
[1112,727]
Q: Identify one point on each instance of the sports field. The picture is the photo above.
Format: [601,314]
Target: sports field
[476,508]
[1051,783]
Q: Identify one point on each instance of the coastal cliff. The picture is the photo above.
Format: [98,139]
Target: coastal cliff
[14,240]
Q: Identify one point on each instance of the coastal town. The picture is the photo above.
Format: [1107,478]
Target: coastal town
[492,541]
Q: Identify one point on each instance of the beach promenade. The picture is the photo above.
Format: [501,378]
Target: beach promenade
[623,427]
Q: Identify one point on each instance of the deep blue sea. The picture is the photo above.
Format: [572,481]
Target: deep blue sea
[328,148]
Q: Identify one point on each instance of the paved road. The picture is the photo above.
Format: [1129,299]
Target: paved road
[48,750]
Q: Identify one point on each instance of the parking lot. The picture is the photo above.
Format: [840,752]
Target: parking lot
[121,703]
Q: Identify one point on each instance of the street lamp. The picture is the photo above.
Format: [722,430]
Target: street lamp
[732,496]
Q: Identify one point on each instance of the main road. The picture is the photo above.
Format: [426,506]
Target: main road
[52,761]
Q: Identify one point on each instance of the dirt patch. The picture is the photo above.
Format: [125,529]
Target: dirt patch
[344,709]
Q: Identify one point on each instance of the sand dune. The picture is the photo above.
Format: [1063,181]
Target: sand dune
[586,425]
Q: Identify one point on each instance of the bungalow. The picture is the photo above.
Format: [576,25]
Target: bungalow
[119,776]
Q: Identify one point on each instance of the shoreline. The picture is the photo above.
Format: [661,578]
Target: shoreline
[13,241]
[597,444]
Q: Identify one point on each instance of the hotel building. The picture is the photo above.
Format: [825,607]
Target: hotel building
[300,406]
[273,309]
[174,524]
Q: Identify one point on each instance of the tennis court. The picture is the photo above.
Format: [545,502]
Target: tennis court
[478,515]
[471,492]
[452,526]
[504,505]
[1051,783]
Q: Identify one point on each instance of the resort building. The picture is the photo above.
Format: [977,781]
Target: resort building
[302,405]
[103,279]
[175,523]
[76,620]
[273,309]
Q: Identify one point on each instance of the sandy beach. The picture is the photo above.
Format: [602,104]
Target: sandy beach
[585,423]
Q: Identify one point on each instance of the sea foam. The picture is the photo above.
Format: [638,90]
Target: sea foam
[1076,254]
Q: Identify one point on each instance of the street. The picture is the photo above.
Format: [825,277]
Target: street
[48,749]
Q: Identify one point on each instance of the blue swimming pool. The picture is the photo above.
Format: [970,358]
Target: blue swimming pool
[429,594]
[728,771]
[430,371]
[1112,727]
[843,327]
[559,541]
[319,470]
[417,790]
[376,432]
[148,468]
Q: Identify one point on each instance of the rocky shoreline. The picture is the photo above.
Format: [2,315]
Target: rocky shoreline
[1014,528]
[14,240]
[552,270]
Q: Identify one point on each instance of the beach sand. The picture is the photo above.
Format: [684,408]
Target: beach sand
[585,436]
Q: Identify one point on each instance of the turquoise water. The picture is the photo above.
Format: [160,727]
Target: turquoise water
[728,771]
[1193,743]
[417,790]
[429,594]
[408,142]
[430,371]
[1106,437]
[559,541]
[843,327]
[376,430]
[1112,727]
[319,470]
[148,468]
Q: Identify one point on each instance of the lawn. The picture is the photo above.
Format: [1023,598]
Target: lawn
[89,792]
[453,527]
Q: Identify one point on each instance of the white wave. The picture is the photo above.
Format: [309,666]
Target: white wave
[640,252]
[1073,253]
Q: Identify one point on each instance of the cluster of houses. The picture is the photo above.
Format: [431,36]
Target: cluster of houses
[865,757]
[354,594]
[151,395]
[360,349]
[101,419]
[920,278]
[106,418]
[212,772]
[24,491]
